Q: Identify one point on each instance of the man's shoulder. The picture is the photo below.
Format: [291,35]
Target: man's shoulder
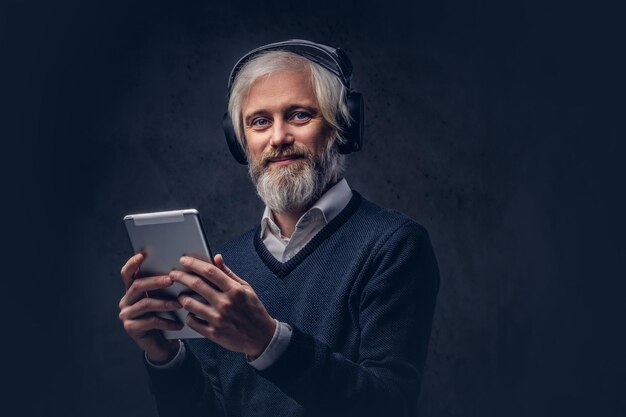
[372,215]
[240,242]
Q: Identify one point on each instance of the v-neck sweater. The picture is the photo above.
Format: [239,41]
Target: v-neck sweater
[360,298]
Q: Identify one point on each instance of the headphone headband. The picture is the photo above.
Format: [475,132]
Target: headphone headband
[333,59]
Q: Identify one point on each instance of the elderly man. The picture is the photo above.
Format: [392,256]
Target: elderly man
[326,307]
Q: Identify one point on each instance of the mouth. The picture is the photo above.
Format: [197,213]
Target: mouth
[283,160]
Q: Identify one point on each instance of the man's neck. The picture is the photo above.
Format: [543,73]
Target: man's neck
[286,222]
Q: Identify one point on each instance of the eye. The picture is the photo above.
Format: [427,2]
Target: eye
[260,123]
[301,116]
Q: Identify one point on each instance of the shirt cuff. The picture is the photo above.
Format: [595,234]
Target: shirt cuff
[176,360]
[276,347]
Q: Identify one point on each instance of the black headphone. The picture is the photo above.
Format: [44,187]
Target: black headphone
[333,59]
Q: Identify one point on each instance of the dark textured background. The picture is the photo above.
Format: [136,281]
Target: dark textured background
[497,126]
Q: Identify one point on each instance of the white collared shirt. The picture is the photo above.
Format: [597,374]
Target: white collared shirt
[312,221]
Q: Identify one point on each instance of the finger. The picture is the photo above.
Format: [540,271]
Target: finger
[219,263]
[208,271]
[139,287]
[200,326]
[198,285]
[198,308]
[148,305]
[141,326]
[130,269]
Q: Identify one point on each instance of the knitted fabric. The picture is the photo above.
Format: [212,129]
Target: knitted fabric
[360,298]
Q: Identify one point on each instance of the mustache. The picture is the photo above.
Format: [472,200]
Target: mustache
[290,152]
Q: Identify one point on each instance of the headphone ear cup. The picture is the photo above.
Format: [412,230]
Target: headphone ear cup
[353,130]
[231,139]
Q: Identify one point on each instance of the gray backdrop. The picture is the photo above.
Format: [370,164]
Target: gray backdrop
[490,124]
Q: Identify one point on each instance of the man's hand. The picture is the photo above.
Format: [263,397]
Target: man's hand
[137,312]
[234,317]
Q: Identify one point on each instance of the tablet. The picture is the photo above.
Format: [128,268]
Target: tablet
[163,237]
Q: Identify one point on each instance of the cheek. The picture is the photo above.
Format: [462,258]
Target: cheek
[316,138]
[256,143]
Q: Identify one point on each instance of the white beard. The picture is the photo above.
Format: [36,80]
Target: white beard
[295,187]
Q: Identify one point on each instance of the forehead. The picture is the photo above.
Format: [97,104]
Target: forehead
[281,88]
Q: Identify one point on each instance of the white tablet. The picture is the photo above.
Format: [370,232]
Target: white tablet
[163,237]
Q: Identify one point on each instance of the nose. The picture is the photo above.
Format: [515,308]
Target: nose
[281,134]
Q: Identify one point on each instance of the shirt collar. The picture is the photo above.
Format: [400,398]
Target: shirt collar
[329,206]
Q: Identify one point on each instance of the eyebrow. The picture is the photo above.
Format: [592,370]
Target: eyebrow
[314,110]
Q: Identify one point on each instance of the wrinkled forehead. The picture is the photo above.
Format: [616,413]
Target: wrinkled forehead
[281,87]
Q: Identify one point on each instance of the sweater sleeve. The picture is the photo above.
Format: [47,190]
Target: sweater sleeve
[395,316]
[183,389]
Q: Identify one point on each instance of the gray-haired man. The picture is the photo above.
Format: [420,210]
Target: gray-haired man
[326,307]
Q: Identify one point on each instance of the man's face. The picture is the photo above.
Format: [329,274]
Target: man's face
[291,162]
[282,119]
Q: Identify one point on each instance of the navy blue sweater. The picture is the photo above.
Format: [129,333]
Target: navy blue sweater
[360,298]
